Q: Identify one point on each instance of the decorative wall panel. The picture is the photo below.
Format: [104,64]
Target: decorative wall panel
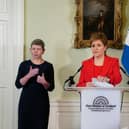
[66,115]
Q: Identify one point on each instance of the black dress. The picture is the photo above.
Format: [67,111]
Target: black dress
[33,112]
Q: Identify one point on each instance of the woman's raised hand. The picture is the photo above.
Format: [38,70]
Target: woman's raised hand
[33,71]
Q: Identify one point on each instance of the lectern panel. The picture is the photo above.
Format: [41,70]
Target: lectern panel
[100,109]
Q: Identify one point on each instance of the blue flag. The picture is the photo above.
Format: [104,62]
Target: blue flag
[125,54]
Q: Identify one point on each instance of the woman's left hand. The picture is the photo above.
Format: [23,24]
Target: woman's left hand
[42,80]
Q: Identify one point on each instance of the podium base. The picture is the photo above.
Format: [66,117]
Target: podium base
[100,109]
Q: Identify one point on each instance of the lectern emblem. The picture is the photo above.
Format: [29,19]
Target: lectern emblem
[100,101]
[100,104]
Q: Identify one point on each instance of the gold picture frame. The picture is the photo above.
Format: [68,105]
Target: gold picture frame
[98,15]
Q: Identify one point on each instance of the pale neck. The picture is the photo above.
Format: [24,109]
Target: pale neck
[37,61]
[99,61]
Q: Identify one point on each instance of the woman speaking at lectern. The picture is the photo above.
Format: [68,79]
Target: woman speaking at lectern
[100,66]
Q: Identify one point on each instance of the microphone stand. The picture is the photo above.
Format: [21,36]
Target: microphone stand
[70,80]
[124,73]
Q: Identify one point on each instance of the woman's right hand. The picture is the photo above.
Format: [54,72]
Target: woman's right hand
[33,71]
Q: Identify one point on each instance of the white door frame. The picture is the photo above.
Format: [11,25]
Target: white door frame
[11,54]
[18,54]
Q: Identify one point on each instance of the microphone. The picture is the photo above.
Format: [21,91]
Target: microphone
[71,78]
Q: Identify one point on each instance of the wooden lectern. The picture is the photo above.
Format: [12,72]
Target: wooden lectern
[100,107]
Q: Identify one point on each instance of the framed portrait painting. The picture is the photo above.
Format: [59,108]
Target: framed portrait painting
[98,16]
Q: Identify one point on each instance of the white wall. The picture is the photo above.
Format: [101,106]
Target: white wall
[53,21]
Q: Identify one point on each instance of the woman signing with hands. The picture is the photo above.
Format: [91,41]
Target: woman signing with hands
[36,78]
